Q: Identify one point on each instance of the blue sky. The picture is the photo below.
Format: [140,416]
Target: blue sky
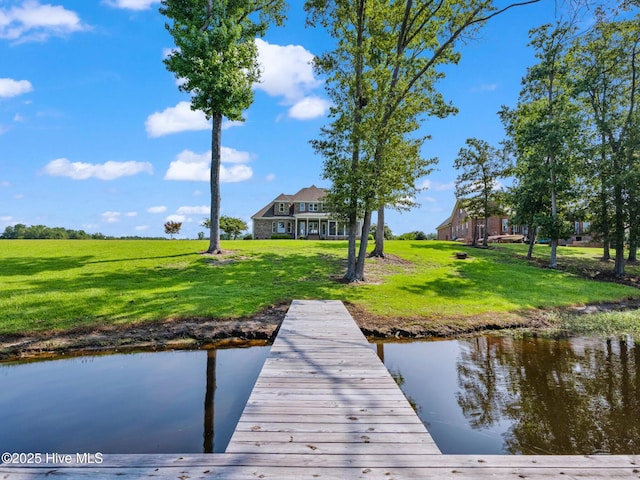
[95,135]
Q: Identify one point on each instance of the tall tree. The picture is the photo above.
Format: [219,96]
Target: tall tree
[216,57]
[480,166]
[606,61]
[545,125]
[381,78]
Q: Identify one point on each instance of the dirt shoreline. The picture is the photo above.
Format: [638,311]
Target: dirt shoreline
[262,329]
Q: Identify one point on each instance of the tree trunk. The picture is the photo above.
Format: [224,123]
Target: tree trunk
[634,226]
[633,243]
[618,235]
[350,275]
[604,211]
[216,138]
[485,234]
[532,241]
[474,232]
[362,253]
[554,215]
[378,251]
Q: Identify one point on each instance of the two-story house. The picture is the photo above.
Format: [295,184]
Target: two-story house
[461,226]
[301,215]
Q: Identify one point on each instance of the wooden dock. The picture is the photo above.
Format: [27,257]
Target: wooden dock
[325,407]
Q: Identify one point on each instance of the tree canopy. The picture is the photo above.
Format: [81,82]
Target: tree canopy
[215,57]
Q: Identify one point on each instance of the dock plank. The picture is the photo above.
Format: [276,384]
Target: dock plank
[323,378]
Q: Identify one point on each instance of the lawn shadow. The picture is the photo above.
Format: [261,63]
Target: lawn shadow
[35,265]
[198,290]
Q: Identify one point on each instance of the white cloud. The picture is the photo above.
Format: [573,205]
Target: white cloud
[62,167]
[4,183]
[6,219]
[176,218]
[236,173]
[287,71]
[132,4]
[131,214]
[270,177]
[176,119]
[141,228]
[437,186]
[309,107]
[189,166]
[33,21]
[195,210]
[19,118]
[180,119]
[231,155]
[12,88]
[192,166]
[158,209]
[488,87]
[111,217]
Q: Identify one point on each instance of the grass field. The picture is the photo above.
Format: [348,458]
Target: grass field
[58,284]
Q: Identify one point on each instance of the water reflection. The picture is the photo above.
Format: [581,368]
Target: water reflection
[137,403]
[524,396]
[575,396]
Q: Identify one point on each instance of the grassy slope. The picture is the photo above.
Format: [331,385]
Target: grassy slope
[62,284]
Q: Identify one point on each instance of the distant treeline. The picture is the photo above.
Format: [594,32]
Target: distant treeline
[42,232]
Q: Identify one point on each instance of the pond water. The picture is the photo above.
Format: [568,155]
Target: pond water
[166,402]
[484,395]
[497,395]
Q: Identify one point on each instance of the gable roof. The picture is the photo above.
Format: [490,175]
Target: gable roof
[307,194]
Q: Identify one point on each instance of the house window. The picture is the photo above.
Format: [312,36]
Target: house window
[585,226]
[281,227]
[289,229]
[273,227]
[505,225]
[332,228]
[313,207]
[281,207]
[302,207]
[577,227]
[313,228]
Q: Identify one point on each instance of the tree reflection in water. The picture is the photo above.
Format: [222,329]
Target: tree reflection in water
[568,396]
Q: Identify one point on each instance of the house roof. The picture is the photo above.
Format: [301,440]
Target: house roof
[307,194]
[449,219]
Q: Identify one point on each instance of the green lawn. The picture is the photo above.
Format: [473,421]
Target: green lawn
[58,284]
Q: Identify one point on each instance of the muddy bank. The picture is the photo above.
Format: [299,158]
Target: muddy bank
[262,328]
